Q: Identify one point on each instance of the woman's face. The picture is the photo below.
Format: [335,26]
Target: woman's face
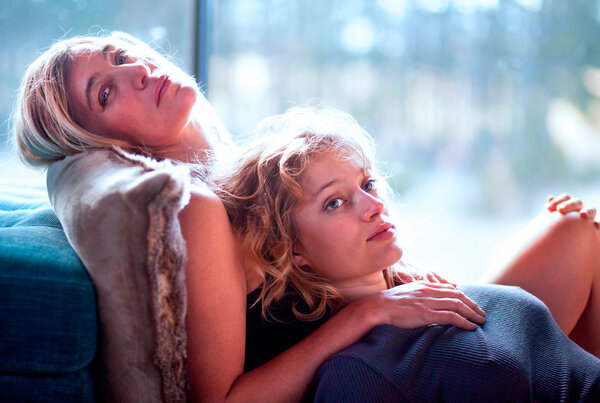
[115,93]
[344,232]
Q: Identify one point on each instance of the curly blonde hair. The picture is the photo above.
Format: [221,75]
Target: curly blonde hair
[261,189]
[42,122]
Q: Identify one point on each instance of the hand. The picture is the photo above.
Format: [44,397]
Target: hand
[409,273]
[410,276]
[566,204]
[418,304]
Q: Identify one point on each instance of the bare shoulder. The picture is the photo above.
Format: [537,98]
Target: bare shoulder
[204,210]
[206,227]
[202,197]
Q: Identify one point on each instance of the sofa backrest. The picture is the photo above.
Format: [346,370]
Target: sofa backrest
[47,300]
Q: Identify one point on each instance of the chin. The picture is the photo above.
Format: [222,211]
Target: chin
[187,95]
[394,256]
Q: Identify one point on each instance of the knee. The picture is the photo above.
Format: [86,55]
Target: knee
[572,228]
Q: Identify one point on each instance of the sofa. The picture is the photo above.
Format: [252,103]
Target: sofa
[92,286]
[48,316]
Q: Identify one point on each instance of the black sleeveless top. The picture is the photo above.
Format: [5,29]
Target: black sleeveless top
[267,338]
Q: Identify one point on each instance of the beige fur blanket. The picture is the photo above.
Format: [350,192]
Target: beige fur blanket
[120,214]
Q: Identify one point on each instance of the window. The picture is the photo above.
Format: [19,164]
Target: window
[482,108]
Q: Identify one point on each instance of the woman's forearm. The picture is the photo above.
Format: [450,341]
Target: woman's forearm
[288,376]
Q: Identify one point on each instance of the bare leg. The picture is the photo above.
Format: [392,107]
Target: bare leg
[559,262]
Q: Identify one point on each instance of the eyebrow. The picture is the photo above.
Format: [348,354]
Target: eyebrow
[90,83]
[326,185]
[337,180]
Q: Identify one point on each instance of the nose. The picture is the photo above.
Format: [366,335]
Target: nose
[137,74]
[371,207]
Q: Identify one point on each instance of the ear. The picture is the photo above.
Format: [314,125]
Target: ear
[298,257]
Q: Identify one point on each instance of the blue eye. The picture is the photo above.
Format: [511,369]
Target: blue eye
[333,204]
[103,96]
[121,57]
[369,185]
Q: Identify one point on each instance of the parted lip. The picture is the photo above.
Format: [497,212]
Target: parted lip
[384,226]
[162,80]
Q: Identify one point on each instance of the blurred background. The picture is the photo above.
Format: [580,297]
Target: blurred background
[481,108]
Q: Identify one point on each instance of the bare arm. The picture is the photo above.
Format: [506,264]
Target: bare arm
[216,317]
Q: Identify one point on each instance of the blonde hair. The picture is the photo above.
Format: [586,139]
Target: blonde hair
[261,190]
[43,126]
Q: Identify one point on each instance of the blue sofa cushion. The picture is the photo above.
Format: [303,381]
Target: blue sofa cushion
[47,303]
[71,387]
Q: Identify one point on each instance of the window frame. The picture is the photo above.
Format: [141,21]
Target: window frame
[201,56]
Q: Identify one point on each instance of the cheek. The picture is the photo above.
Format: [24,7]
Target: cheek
[127,119]
[327,246]
[130,111]
[182,109]
[127,124]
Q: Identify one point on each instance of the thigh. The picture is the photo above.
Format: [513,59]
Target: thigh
[558,261]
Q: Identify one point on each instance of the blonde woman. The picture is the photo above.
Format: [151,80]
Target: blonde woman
[95,92]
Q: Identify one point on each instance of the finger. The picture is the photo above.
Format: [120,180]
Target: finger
[432,278]
[443,280]
[569,206]
[457,294]
[451,318]
[561,198]
[469,312]
[405,277]
[556,201]
[589,213]
[458,306]
[443,286]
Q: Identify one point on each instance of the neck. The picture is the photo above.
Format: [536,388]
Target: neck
[249,262]
[192,146]
[362,287]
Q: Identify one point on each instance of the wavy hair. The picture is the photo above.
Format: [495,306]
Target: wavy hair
[261,189]
[42,122]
